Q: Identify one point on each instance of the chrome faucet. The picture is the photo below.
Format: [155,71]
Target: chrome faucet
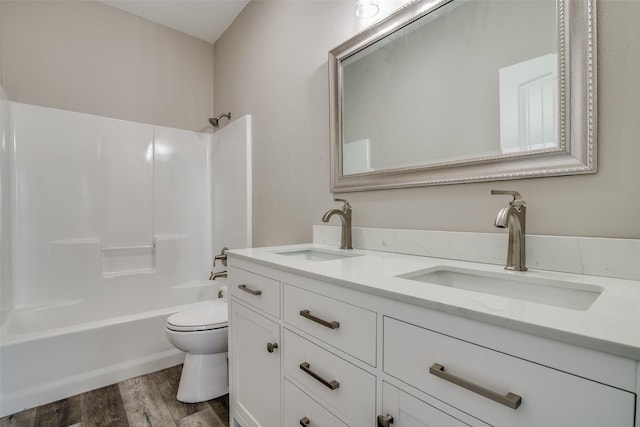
[513,217]
[345,218]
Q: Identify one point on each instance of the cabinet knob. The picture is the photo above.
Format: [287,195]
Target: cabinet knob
[271,346]
[385,420]
[304,422]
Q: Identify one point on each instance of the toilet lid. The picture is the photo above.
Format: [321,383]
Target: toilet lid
[203,316]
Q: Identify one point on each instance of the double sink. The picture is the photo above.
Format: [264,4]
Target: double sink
[516,285]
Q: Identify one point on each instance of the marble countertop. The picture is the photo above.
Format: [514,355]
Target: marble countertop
[611,324]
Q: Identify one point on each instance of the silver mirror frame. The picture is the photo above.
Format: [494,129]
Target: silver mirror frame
[577,111]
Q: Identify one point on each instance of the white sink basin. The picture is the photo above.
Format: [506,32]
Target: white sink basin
[575,296]
[316,254]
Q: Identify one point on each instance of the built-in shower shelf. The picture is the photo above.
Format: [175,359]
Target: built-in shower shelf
[83,241]
[125,260]
[170,236]
[121,273]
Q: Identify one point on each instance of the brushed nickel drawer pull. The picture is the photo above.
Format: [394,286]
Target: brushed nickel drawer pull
[330,325]
[385,420]
[304,422]
[511,400]
[330,384]
[249,290]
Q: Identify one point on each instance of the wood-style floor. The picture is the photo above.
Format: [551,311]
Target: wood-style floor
[146,401]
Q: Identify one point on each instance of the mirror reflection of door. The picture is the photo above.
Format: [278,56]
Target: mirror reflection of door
[528,105]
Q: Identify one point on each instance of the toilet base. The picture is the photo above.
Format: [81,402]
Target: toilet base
[204,377]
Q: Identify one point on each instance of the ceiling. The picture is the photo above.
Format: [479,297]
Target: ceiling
[204,19]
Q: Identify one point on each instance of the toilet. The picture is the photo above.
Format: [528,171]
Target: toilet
[201,332]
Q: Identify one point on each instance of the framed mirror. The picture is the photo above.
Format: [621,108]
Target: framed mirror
[456,91]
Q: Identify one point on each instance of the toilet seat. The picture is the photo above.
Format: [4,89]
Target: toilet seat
[207,315]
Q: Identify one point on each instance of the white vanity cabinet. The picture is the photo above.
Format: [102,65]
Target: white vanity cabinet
[350,357]
[254,350]
[496,387]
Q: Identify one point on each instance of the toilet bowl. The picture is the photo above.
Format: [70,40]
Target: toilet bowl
[201,332]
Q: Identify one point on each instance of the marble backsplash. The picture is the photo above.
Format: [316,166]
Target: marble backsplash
[619,258]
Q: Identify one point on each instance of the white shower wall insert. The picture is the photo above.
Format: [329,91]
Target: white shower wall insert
[110,220]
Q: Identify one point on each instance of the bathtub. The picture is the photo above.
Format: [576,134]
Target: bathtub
[52,352]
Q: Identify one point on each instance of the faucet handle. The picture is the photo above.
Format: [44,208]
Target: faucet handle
[517,198]
[346,205]
[222,257]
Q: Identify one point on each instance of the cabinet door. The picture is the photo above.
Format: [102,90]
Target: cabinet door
[255,366]
[409,411]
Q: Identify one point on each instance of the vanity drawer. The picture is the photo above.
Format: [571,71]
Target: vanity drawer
[259,291]
[300,409]
[548,397]
[344,326]
[408,410]
[345,387]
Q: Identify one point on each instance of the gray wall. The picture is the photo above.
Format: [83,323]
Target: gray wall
[272,63]
[1,31]
[87,57]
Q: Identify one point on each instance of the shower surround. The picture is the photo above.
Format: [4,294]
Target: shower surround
[112,228]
